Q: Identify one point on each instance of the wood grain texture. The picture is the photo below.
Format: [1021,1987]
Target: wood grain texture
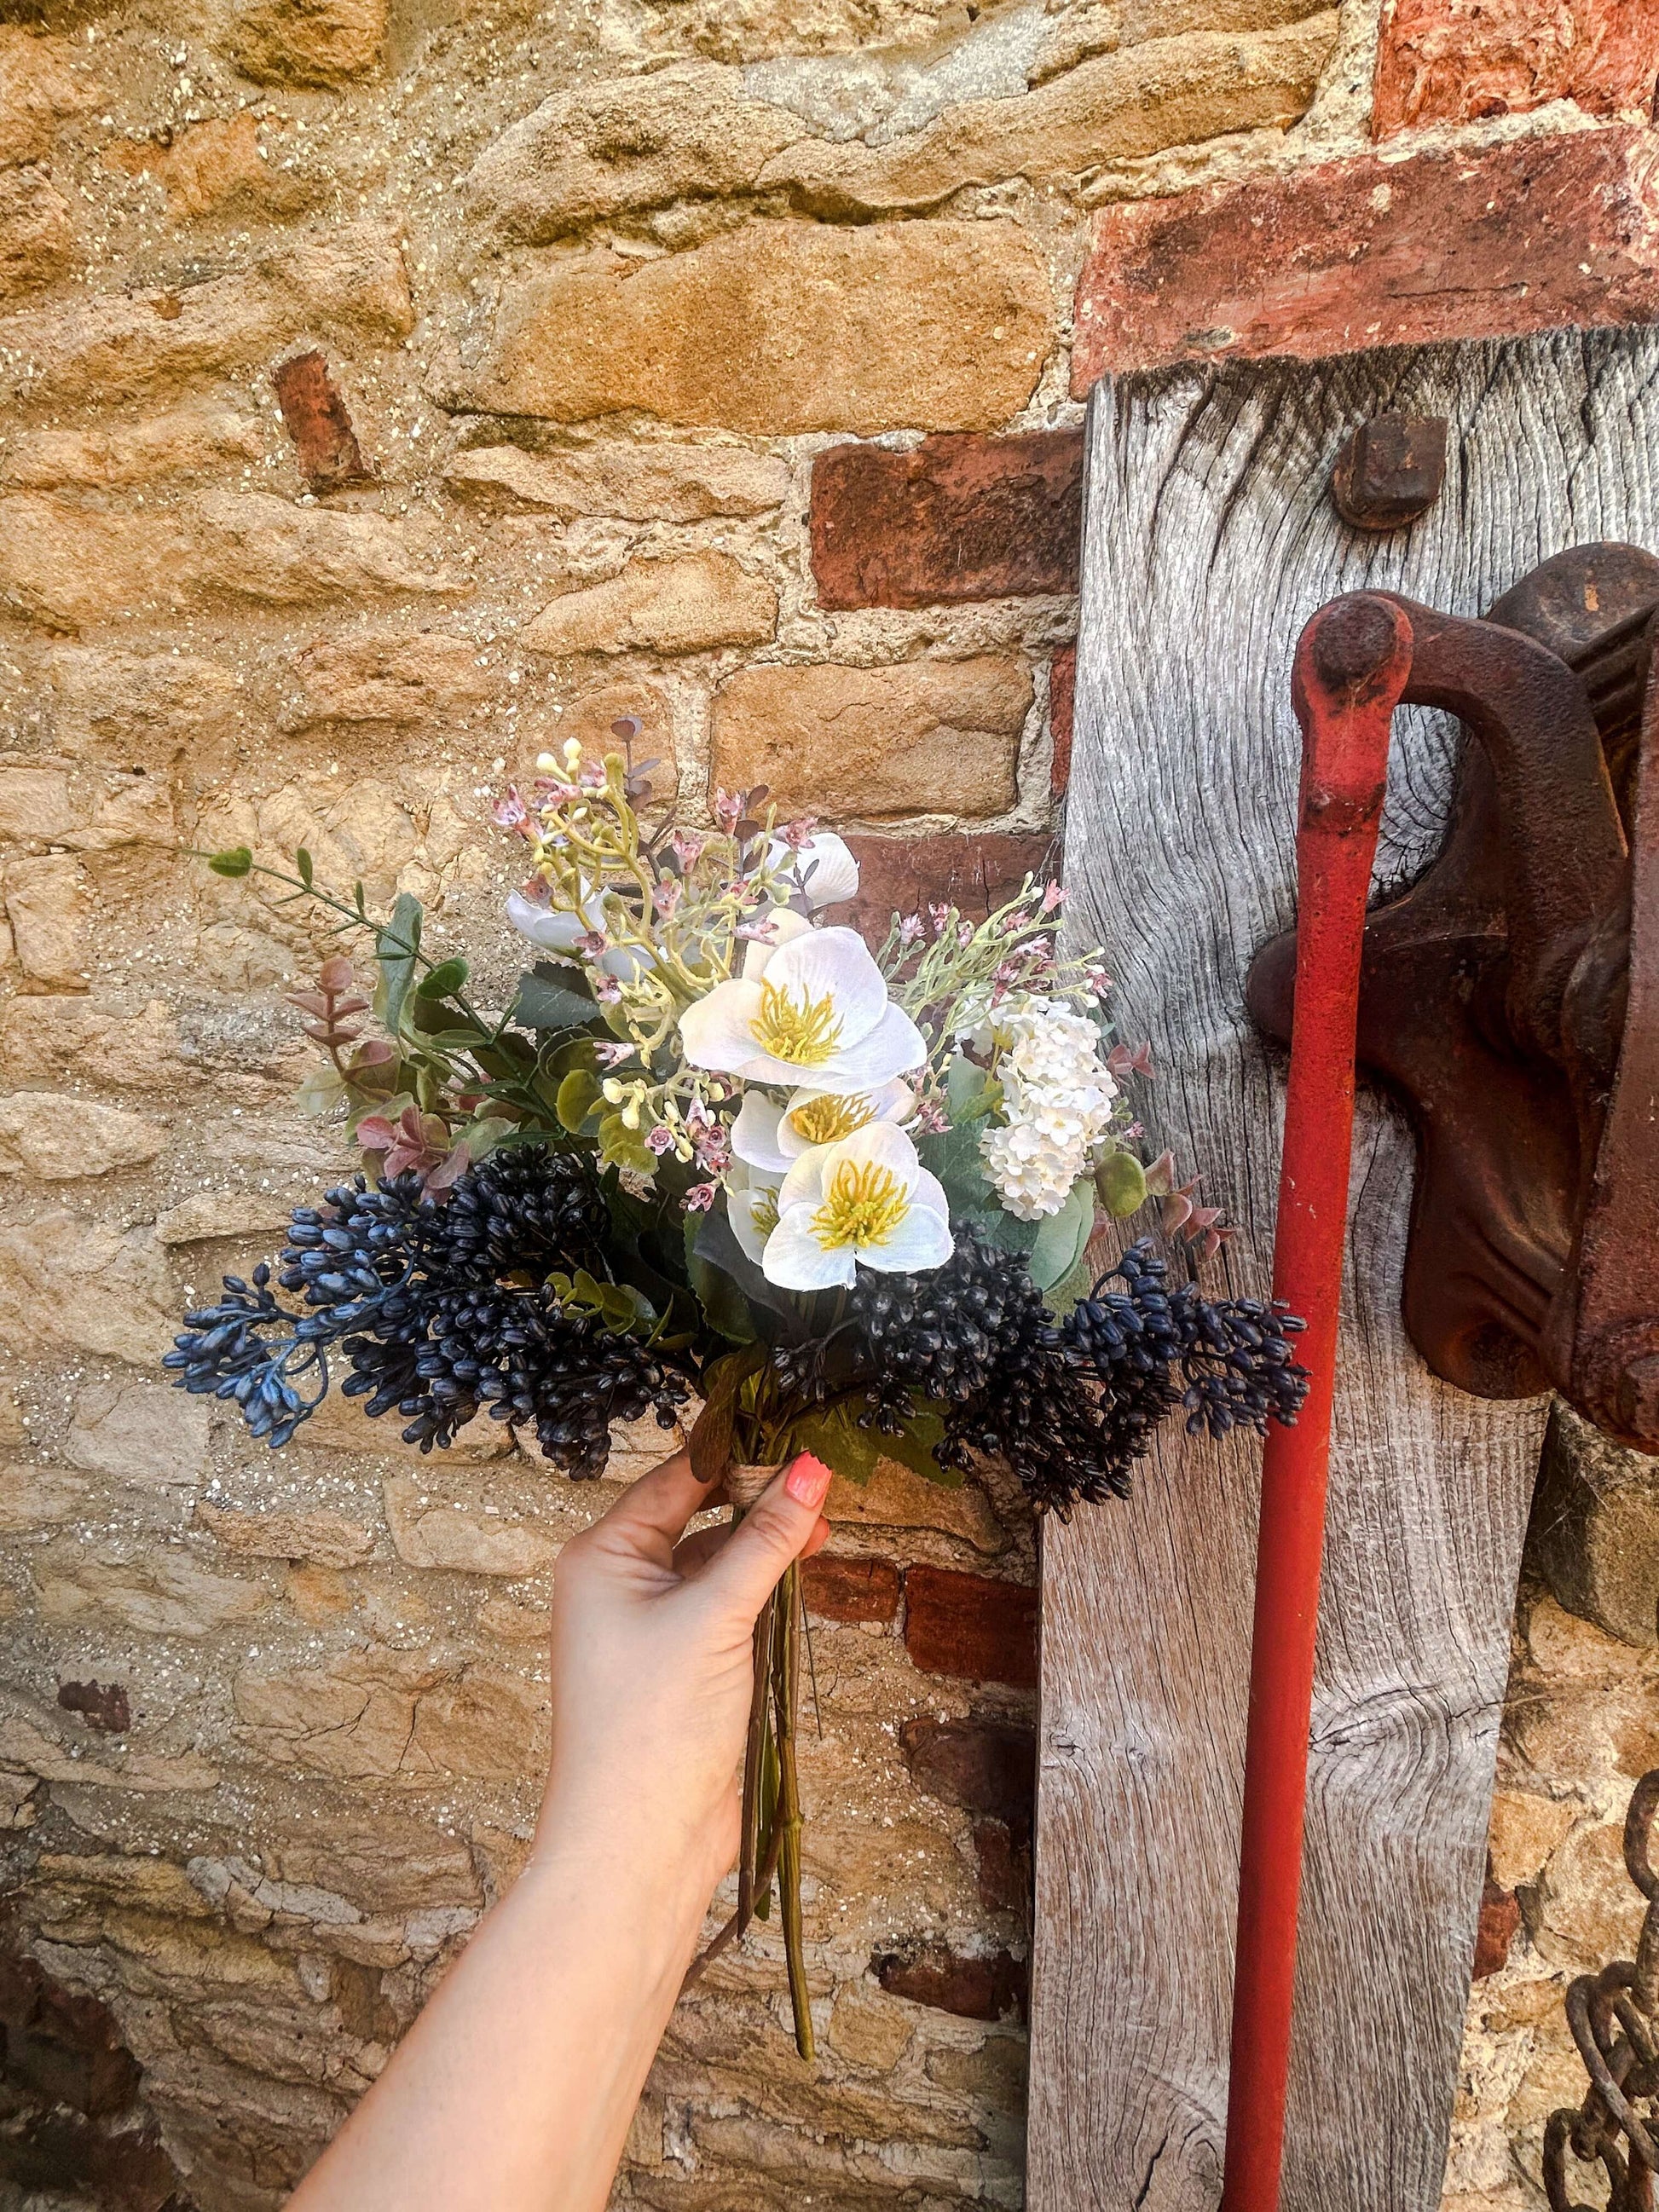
[1209,540]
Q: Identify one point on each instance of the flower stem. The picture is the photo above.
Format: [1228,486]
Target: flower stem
[787,1701]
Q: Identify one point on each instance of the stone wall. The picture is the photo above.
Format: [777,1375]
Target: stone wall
[388,389]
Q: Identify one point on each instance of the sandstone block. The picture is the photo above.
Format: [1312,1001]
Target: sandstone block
[35,806]
[850,1589]
[870,2029]
[64,565]
[1525,1829]
[1595,1528]
[340,1424]
[896,1497]
[352,1720]
[1589,1911]
[750,30]
[43,1039]
[785,327]
[24,1743]
[1452,61]
[1526,236]
[1122,106]
[139,1432]
[490,1727]
[210,1215]
[55,1139]
[959,517]
[49,801]
[330,1539]
[393,1866]
[510,1623]
[136,708]
[114,346]
[313,42]
[691,604]
[37,232]
[640,481]
[38,88]
[33,1496]
[76,1286]
[970,1626]
[923,736]
[391,676]
[187,440]
[213,167]
[164,1593]
[603,150]
[467,1539]
[590,718]
[48,909]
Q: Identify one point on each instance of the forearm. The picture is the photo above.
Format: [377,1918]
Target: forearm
[513,2090]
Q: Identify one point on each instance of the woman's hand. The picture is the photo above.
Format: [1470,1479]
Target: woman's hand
[513,2090]
[653,1663]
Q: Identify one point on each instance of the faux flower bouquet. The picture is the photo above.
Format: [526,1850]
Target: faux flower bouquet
[714,1146]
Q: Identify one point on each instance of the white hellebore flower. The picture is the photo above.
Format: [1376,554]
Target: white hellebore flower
[752,1206]
[771,1136]
[867,1199]
[823,867]
[811,1008]
[558,930]
[553,928]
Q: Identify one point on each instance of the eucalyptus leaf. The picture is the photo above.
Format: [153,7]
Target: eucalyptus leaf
[831,1433]
[443,980]
[953,1156]
[397,948]
[1062,1236]
[1121,1181]
[542,1003]
[580,1099]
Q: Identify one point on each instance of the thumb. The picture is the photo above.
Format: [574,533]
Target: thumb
[776,1530]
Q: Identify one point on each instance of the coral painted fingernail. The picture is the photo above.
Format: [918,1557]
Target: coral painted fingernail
[807,1480]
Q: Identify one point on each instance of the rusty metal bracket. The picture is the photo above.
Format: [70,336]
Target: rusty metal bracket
[1510,999]
[1615,2019]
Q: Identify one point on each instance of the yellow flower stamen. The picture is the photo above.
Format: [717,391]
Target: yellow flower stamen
[763,1211]
[803,1031]
[864,1205]
[827,1120]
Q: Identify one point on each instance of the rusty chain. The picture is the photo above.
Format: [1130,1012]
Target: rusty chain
[1615,2019]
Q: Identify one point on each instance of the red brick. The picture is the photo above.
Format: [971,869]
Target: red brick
[1456,61]
[970,1626]
[315,416]
[900,875]
[1005,1869]
[1062,706]
[1500,1918]
[974,1988]
[983,1766]
[851,1589]
[960,516]
[102,1705]
[1528,236]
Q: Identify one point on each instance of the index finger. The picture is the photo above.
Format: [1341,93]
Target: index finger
[662,1501]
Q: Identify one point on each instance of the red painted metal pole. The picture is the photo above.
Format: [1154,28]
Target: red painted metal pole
[1352,664]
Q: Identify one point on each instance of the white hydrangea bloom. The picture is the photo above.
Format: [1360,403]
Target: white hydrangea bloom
[1059,1101]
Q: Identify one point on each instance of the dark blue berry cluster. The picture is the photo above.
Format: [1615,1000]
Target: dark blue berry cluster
[439,1311]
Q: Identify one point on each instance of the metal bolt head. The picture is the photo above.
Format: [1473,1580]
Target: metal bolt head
[1390,471]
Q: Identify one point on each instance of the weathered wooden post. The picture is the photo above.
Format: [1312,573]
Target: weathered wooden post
[1210,538]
